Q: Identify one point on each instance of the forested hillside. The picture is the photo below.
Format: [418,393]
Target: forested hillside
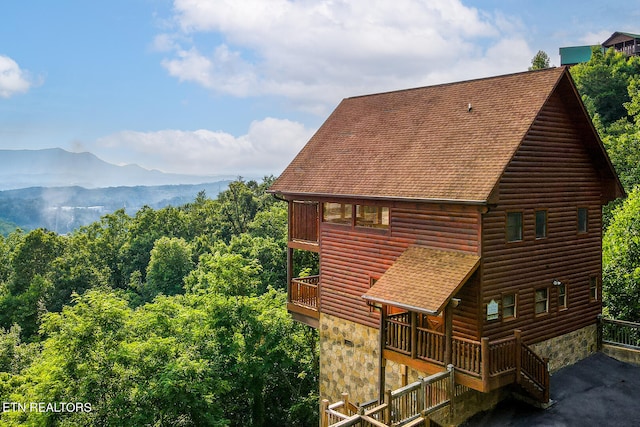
[610,88]
[170,317]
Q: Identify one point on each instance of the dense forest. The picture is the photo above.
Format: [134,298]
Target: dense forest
[172,317]
[177,317]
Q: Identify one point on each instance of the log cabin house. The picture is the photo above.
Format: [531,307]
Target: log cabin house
[455,224]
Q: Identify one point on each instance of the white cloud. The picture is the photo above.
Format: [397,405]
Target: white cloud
[267,148]
[13,80]
[315,52]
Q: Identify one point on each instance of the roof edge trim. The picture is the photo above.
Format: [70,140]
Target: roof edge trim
[364,196]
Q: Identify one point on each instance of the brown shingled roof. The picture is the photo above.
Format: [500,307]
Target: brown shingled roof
[423,279]
[422,143]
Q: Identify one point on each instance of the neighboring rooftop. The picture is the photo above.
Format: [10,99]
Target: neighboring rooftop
[627,43]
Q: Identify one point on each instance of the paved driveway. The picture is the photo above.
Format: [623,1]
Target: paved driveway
[597,391]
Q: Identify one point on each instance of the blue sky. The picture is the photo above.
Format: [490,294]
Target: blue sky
[238,86]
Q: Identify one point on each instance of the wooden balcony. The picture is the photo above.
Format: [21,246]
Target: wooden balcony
[303,300]
[481,365]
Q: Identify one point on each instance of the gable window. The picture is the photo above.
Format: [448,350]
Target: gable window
[593,288]
[372,216]
[508,306]
[337,213]
[583,220]
[541,224]
[542,301]
[514,226]
[562,296]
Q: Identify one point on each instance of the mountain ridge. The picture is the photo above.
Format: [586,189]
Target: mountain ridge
[56,167]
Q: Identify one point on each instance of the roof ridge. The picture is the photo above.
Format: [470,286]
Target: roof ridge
[473,80]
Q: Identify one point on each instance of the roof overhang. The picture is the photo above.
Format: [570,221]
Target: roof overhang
[423,279]
[329,196]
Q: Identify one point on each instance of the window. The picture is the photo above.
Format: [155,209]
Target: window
[562,296]
[508,306]
[514,226]
[542,301]
[583,220]
[372,216]
[541,224]
[593,288]
[337,213]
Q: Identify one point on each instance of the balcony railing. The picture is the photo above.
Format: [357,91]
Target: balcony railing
[490,364]
[303,291]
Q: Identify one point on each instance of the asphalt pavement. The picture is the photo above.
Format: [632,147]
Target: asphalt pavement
[597,391]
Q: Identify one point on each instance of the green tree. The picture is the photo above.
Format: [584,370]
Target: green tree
[621,261]
[32,257]
[603,84]
[169,264]
[539,61]
[225,274]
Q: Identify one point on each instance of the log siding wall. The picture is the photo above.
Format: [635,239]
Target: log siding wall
[351,256]
[551,171]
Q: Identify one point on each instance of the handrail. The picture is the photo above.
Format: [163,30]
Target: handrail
[303,291]
[620,332]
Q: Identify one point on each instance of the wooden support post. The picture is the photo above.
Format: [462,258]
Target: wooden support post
[289,272]
[452,389]
[404,374]
[345,399]
[547,385]
[381,361]
[599,327]
[485,363]
[448,333]
[387,410]
[324,417]
[421,395]
[518,356]
[414,334]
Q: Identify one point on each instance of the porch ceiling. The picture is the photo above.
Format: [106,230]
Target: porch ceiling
[423,279]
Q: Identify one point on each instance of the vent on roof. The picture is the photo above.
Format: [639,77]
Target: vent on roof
[469,107]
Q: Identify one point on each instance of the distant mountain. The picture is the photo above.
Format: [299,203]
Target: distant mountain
[56,167]
[63,209]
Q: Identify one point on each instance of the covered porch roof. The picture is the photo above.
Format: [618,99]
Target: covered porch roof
[423,279]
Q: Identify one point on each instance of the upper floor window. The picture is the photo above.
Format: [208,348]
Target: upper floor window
[508,306]
[562,296]
[372,216]
[337,213]
[542,301]
[514,226]
[541,224]
[583,220]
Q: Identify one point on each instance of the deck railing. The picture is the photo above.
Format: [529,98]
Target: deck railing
[465,355]
[430,345]
[488,361]
[502,356]
[303,291]
[408,406]
[620,332]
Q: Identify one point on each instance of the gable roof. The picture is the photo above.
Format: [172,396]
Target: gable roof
[619,37]
[448,142]
[423,279]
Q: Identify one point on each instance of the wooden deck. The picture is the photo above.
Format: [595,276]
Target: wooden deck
[481,365]
[302,301]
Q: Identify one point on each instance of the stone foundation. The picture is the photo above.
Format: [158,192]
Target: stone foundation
[569,348]
[350,362]
[469,404]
